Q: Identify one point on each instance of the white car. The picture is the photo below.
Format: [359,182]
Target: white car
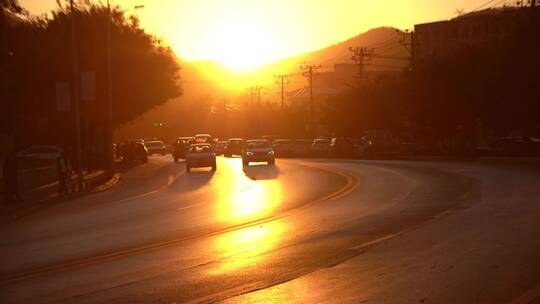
[200,155]
[258,150]
[155,147]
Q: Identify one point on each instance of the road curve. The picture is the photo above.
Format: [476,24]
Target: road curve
[302,231]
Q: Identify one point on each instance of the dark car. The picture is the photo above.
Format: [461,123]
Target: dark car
[234,147]
[342,148]
[301,147]
[258,150]
[379,143]
[181,146]
[320,147]
[282,147]
[134,151]
[515,146]
[200,155]
[221,146]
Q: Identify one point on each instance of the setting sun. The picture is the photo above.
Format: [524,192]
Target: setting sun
[241,44]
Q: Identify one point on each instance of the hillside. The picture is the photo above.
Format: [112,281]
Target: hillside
[385,41]
[210,82]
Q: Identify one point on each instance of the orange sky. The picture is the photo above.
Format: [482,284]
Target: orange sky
[246,33]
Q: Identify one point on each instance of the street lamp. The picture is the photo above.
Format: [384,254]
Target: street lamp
[110,127]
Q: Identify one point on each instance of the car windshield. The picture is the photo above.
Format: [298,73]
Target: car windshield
[258,144]
[200,149]
[155,144]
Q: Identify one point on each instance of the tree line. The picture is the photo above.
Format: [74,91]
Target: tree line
[36,55]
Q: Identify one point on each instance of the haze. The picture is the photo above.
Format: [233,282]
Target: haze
[245,33]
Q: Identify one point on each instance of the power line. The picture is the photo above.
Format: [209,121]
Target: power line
[282,80]
[309,72]
[361,57]
[483,5]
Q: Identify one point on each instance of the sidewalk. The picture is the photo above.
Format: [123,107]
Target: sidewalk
[47,194]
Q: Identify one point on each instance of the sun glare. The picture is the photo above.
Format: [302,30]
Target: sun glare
[242,45]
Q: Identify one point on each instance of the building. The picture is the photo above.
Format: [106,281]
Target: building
[489,27]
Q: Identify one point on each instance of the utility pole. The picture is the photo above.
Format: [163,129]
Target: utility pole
[361,56]
[225,120]
[76,103]
[109,125]
[409,45]
[252,91]
[282,80]
[309,72]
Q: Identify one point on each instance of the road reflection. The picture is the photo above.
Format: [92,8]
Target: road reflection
[241,199]
[245,248]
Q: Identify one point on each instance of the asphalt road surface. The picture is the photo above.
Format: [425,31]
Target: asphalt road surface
[302,231]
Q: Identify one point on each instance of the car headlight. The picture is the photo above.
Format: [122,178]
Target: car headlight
[271,153]
[249,153]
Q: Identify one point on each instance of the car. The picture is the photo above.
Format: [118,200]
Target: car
[201,155]
[377,143]
[234,147]
[258,150]
[135,140]
[181,146]
[203,139]
[155,147]
[133,151]
[301,147]
[41,152]
[342,148]
[515,146]
[320,147]
[221,147]
[282,147]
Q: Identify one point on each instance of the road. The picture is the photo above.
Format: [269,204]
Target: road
[302,231]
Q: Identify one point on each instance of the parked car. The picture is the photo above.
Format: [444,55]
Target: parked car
[258,150]
[301,147]
[515,146]
[221,147]
[155,147]
[282,148]
[200,155]
[270,138]
[320,147]
[378,143]
[134,151]
[342,148]
[181,146]
[234,147]
[41,152]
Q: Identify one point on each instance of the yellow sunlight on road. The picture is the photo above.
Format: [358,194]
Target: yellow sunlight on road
[242,199]
[245,248]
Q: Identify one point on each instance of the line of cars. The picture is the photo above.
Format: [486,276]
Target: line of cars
[135,150]
[201,150]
